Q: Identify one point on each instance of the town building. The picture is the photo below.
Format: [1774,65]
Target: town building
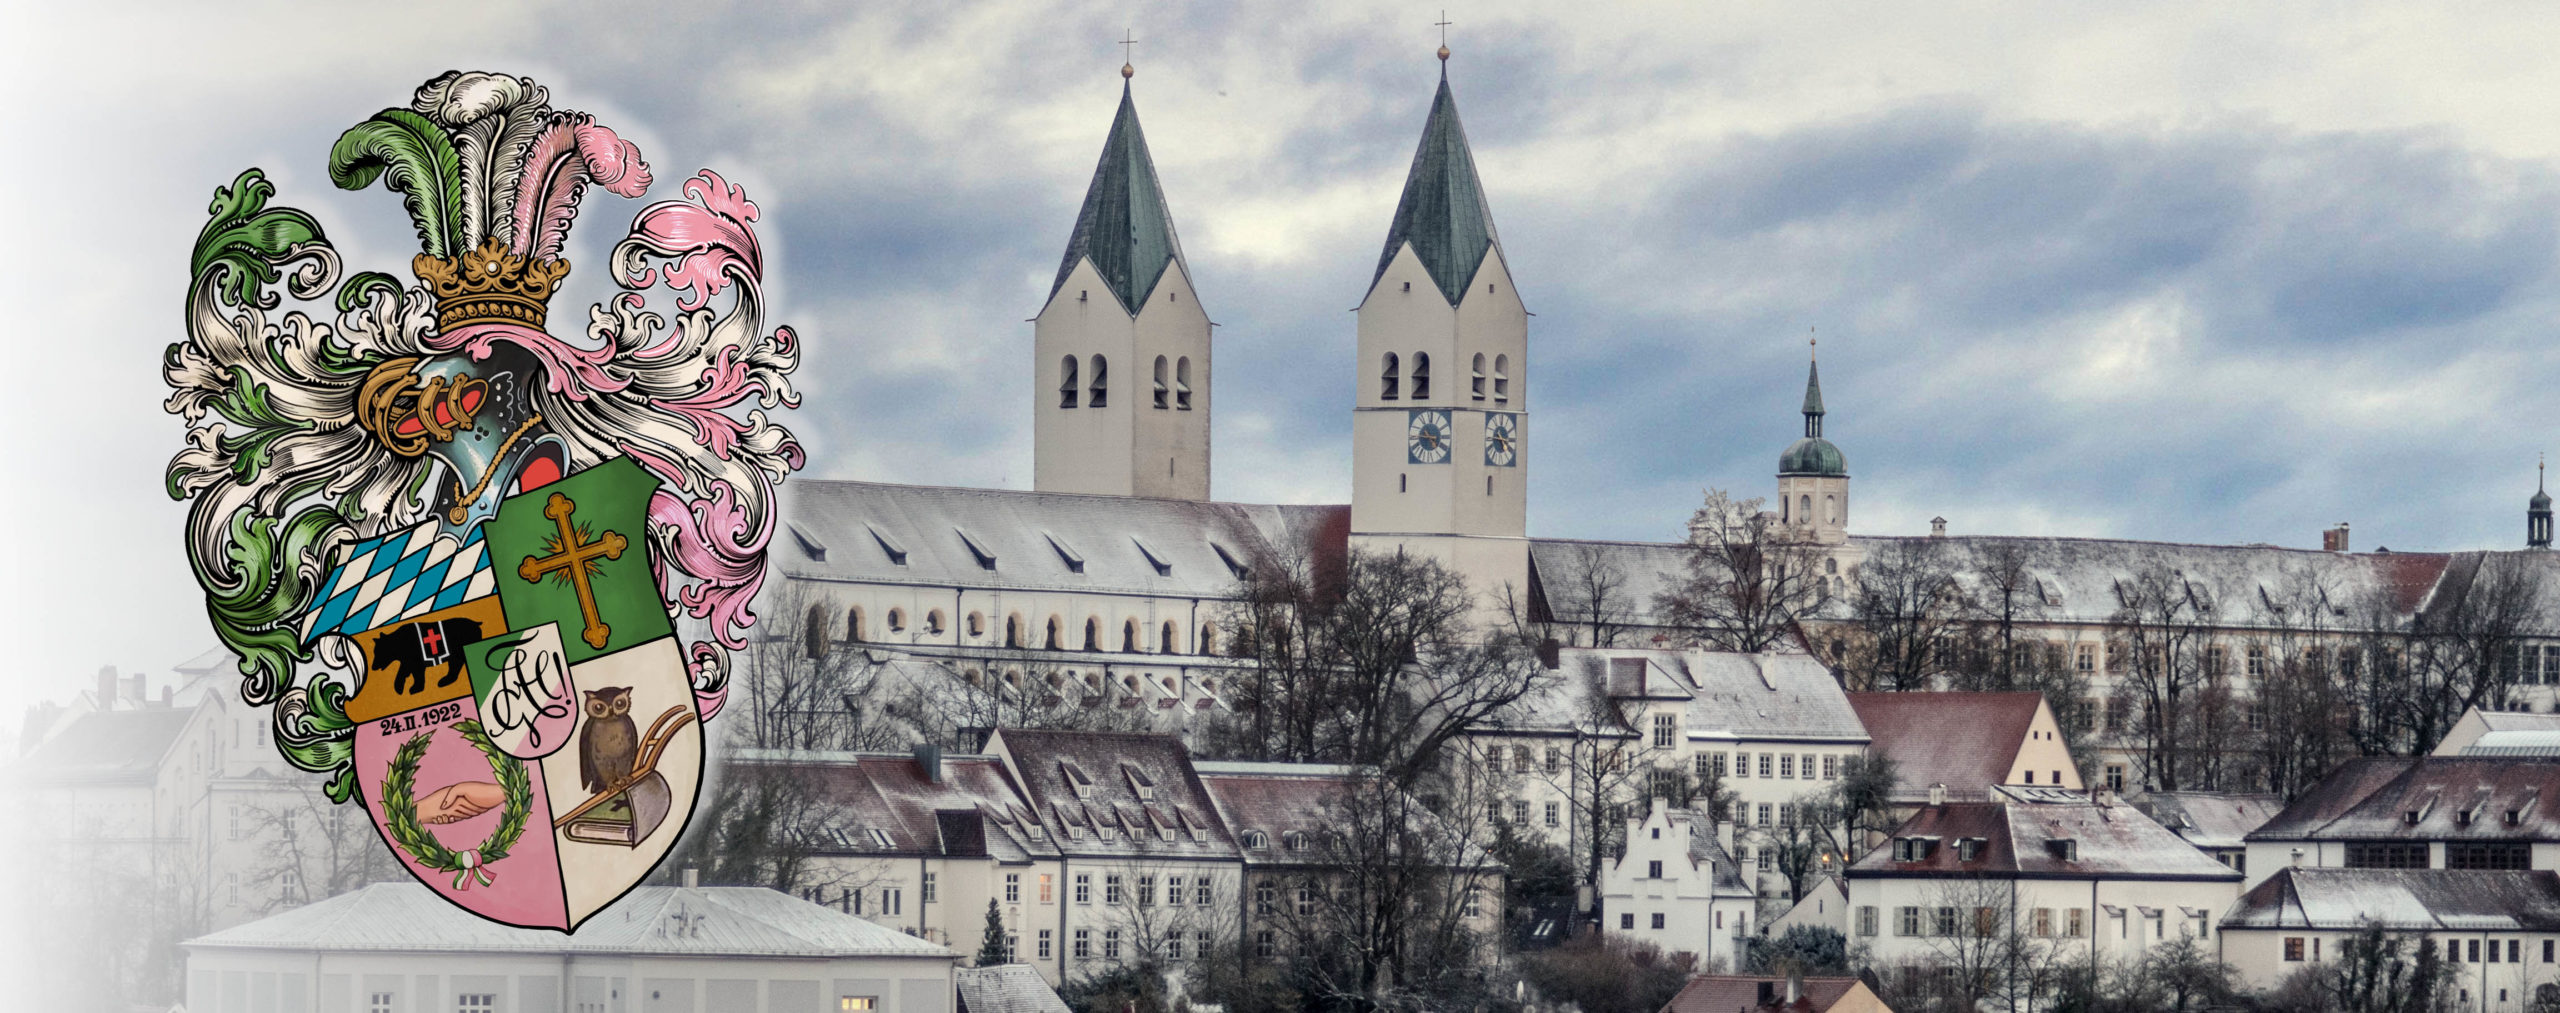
[1825,905]
[1098,850]
[398,947]
[2055,867]
[1006,988]
[1966,743]
[1733,993]
[1676,888]
[2499,931]
[2216,823]
[2498,730]
[2428,812]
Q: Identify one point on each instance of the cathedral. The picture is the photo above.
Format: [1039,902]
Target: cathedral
[1108,580]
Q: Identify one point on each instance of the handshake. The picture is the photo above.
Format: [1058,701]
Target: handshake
[460,801]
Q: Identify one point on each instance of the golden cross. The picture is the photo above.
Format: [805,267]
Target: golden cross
[574,557]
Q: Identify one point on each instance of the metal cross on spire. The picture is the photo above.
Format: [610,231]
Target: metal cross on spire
[1443,24]
[1812,343]
[1128,42]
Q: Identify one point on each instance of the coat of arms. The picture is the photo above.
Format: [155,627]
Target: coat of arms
[487,576]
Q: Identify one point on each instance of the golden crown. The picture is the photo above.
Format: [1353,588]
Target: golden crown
[489,285]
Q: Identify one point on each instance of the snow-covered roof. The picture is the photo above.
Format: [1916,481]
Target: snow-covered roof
[1114,793]
[650,920]
[2430,798]
[1006,988]
[883,804]
[1725,697]
[2042,833]
[935,536]
[2426,900]
[2210,819]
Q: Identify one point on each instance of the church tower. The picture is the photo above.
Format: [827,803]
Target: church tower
[1121,365]
[1813,476]
[1440,423]
[2537,514]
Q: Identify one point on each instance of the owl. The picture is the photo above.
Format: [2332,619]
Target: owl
[610,745]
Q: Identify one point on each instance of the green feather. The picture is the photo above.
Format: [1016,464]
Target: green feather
[412,155]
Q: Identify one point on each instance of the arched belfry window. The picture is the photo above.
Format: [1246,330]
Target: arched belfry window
[1475,384]
[1421,376]
[1057,634]
[1167,644]
[1182,383]
[1013,630]
[1129,637]
[854,626]
[1387,378]
[1067,384]
[1804,509]
[1502,378]
[1830,509]
[1093,633]
[1099,393]
[1164,393]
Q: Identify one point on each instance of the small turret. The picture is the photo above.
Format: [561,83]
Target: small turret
[2537,514]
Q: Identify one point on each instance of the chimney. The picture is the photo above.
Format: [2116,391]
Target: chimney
[2297,858]
[1937,794]
[929,761]
[168,695]
[692,878]
[2334,539]
[1937,527]
[107,688]
[139,694]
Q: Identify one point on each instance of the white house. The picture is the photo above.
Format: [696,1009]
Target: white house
[396,948]
[2053,865]
[2500,930]
[1676,888]
[2428,812]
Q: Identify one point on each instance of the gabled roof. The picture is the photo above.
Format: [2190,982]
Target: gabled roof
[1735,993]
[1765,696]
[1917,731]
[650,920]
[2427,900]
[2210,819]
[1124,226]
[1083,780]
[2021,834]
[866,797]
[836,530]
[1443,211]
[2433,798]
[107,747]
[1006,988]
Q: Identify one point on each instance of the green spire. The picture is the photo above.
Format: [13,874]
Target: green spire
[1443,211]
[1124,226]
[1813,399]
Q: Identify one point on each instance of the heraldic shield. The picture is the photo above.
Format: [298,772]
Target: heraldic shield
[531,751]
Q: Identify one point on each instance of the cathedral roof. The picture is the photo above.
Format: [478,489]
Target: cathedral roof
[1443,211]
[1124,225]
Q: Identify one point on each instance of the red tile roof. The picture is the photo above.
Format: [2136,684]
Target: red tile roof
[1734,993]
[1966,741]
[2020,836]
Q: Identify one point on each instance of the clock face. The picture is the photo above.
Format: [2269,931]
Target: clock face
[1501,439]
[1426,436]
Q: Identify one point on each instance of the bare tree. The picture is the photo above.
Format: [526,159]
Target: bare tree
[2300,702]
[2166,623]
[311,848]
[1909,614]
[1374,662]
[1589,597]
[1979,956]
[2463,645]
[1388,917]
[1748,585]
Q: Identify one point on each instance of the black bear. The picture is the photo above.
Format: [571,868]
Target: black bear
[416,646]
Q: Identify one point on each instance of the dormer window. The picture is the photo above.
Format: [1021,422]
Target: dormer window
[1256,839]
[1139,782]
[881,838]
[1076,779]
[1163,567]
[2063,849]
[896,552]
[978,550]
[1066,553]
[1295,840]
[2515,816]
[1234,565]
[1968,848]
[2412,816]
[1913,849]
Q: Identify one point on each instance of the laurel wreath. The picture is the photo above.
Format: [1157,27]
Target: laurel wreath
[400,810]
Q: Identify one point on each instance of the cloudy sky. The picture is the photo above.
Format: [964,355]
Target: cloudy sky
[2195,272]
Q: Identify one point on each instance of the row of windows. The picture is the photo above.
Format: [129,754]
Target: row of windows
[2505,855]
[1133,638]
[1172,383]
[1390,378]
[1983,923]
[1201,890]
[1772,765]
